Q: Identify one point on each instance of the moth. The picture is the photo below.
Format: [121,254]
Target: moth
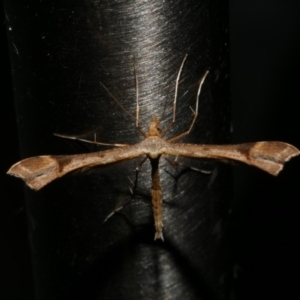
[268,156]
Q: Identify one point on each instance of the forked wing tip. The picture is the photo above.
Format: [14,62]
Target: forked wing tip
[272,156]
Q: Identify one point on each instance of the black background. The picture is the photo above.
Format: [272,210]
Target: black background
[265,105]
[264,50]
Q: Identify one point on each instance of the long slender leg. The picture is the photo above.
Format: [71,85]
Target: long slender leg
[175,164]
[191,168]
[137,110]
[117,101]
[195,112]
[166,103]
[88,141]
[121,205]
[124,110]
[175,96]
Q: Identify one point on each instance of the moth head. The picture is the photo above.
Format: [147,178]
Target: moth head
[154,128]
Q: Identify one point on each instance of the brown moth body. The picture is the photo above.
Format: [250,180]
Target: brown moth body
[268,156]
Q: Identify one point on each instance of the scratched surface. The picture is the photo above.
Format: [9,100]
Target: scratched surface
[265,64]
[73,48]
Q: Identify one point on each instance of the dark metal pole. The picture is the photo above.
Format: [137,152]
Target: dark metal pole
[60,52]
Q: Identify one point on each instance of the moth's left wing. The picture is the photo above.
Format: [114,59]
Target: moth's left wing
[268,156]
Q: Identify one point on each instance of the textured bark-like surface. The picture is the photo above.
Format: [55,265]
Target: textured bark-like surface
[60,52]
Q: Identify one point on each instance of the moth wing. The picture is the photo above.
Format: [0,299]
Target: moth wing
[40,170]
[268,156]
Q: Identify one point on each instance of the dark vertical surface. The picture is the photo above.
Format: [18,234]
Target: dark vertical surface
[60,51]
[16,280]
[265,99]
[264,38]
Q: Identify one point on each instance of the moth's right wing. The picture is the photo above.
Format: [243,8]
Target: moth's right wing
[268,156]
[40,170]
